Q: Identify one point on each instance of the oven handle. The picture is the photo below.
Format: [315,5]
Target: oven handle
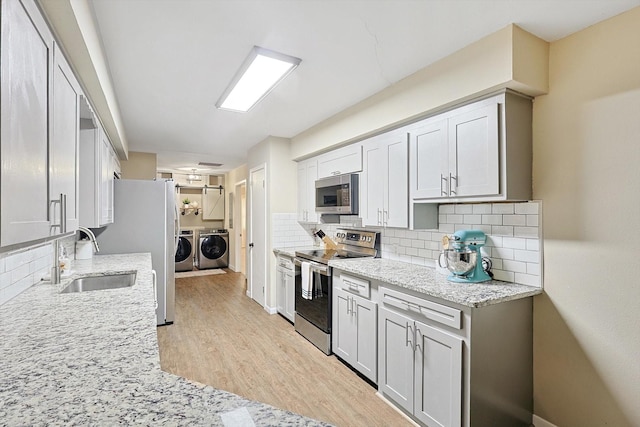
[315,266]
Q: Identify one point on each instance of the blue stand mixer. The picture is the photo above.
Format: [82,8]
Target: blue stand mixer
[463,258]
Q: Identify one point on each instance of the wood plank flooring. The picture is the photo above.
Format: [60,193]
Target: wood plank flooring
[224,339]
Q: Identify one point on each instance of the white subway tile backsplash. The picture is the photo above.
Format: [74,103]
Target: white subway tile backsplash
[502,208]
[505,276]
[527,256]
[447,209]
[533,244]
[514,220]
[455,219]
[473,219]
[492,219]
[502,230]
[514,243]
[20,270]
[534,269]
[532,220]
[484,208]
[527,279]
[527,208]
[417,244]
[502,253]
[526,231]
[463,209]
[515,266]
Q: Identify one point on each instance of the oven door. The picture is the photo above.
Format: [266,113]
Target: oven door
[317,310]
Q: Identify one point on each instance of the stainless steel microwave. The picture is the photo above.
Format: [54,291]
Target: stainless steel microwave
[337,194]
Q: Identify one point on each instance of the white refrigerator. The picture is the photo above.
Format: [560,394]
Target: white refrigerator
[144,220]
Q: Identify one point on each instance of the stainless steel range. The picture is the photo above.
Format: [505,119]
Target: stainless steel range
[313,300]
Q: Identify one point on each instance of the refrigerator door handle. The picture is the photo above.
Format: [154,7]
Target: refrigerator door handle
[155,288]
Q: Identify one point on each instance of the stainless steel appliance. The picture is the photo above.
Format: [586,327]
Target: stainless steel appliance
[313,316]
[144,220]
[185,253]
[213,249]
[337,195]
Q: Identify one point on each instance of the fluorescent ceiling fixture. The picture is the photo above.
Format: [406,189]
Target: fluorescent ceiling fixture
[193,176]
[259,74]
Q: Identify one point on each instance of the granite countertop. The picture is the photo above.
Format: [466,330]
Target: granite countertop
[92,358]
[427,281]
[291,252]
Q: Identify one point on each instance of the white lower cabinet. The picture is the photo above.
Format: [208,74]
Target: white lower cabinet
[285,291]
[421,369]
[354,332]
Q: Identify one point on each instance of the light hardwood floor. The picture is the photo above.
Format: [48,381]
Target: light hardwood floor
[224,339]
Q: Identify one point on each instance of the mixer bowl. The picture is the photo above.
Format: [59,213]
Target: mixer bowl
[460,263]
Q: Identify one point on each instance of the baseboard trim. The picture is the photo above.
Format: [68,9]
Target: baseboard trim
[395,408]
[271,310]
[541,422]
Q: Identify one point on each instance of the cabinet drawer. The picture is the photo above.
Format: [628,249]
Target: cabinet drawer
[285,262]
[355,285]
[419,307]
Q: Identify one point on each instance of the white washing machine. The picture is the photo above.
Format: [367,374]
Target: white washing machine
[213,249]
[185,252]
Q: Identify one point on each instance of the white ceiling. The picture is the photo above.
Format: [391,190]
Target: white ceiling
[170,60]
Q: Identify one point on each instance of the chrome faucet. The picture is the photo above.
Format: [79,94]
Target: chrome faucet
[55,270]
[91,236]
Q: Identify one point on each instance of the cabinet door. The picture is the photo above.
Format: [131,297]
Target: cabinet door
[290,295]
[429,159]
[106,178]
[395,364]
[213,203]
[307,175]
[372,181]
[26,54]
[280,291]
[65,140]
[473,153]
[396,185]
[365,315]
[90,178]
[438,377]
[343,332]
[340,161]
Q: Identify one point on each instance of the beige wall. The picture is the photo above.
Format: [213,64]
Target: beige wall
[281,194]
[494,62]
[139,166]
[586,171]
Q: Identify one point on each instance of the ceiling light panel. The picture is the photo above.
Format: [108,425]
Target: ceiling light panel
[259,74]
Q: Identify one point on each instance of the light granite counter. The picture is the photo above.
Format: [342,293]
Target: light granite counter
[92,358]
[427,281]
[291,252]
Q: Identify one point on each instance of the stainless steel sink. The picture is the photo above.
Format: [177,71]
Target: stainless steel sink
[98,283]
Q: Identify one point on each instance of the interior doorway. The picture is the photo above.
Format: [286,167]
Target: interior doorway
[240,231]
[257,234]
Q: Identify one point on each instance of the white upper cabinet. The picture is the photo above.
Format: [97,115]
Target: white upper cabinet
[39,110]
[65,139]
[342,160]
[98,164]
[307,175]
[478,152]
[384,183]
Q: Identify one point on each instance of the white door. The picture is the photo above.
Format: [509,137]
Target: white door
[429,159]
[258,233]
[396,181]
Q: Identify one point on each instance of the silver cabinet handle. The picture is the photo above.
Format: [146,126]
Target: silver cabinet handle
[348,305]
[451,179]
[406,335]
[443,189]
[385,217]
[354,306]
[379,217]
[63,213]
[418,334]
